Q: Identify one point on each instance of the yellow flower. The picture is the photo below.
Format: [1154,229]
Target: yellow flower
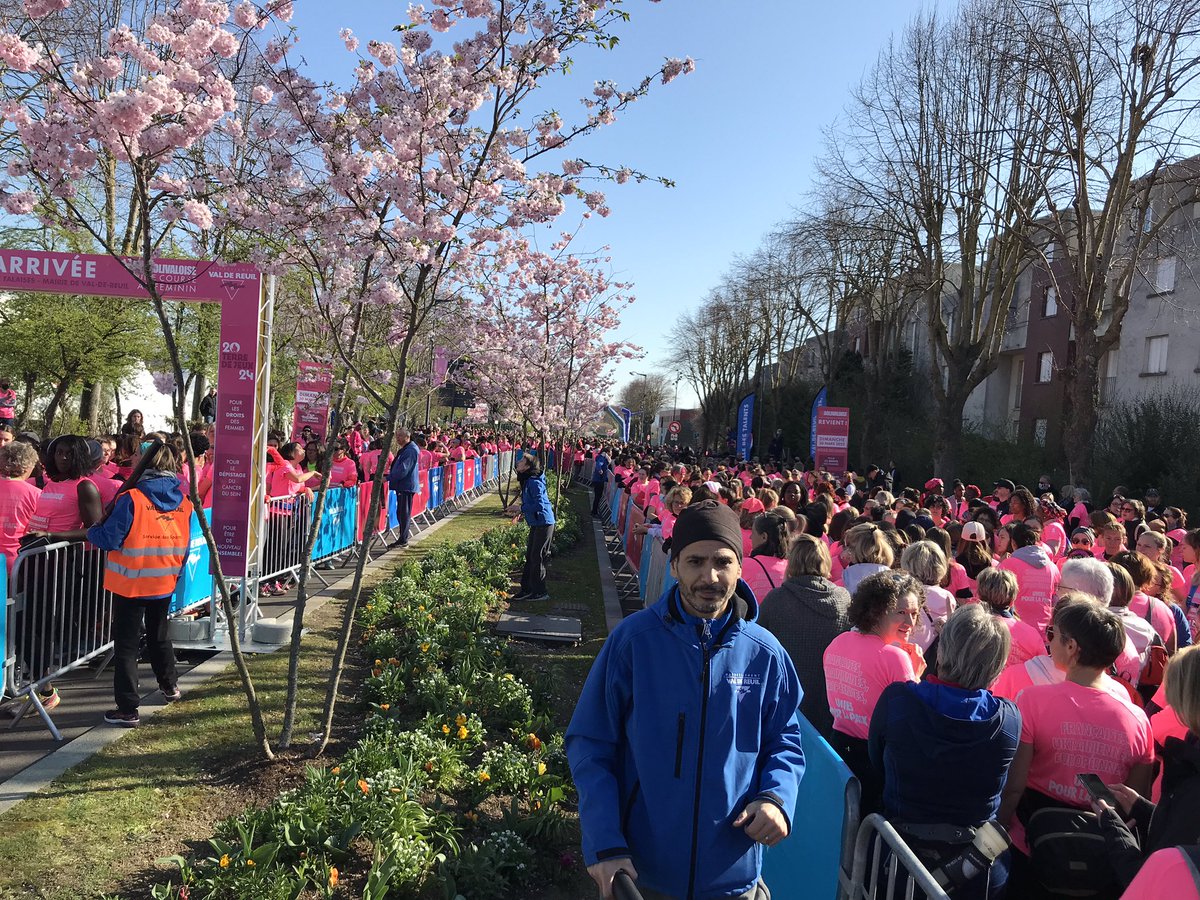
[225,861]
[445,729]
[336,770]
[363,786]
[385,706]
[484,776]
[333,876]
[460,719]
[421,608]
[379,662]
[471,816]
[534,742]
[508,676]
[541,770]
[250,863]
[462,732]
[425,647]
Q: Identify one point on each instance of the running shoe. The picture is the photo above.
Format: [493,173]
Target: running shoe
[124,719]
[170,694]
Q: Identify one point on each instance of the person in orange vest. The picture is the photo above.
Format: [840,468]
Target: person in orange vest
[147,537]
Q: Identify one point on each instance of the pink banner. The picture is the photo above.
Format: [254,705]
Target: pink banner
[420,501]
[238,288]
[364,506]
[313,385]
[833,439]
[468,474]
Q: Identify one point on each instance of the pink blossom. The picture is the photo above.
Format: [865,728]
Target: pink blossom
[17,54]
[164,382]
[198,214]
[349,39]
[21,203]
[281,10]
[440,20]
[383,51]
[673,68]
[246,14]
[416,14]
[262,94]
[37,9]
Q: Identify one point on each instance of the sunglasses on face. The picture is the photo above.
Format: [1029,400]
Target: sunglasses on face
[1049,633]
[1080,542]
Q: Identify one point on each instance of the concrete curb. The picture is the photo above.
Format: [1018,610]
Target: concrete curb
[40,775]
[608,585]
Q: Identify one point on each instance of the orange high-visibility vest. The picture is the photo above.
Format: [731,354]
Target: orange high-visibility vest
[149,562]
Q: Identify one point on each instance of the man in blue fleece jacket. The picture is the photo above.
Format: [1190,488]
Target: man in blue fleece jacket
[685,744]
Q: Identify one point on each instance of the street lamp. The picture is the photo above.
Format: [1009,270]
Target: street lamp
[645,422]
[675,404]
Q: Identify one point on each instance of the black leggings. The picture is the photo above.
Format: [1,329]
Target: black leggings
[537,548]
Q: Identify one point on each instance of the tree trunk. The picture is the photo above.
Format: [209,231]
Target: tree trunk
[948,428]
[1082,397]
[117,417]
[31,380]
[60,393]
[199,389]
[89,405]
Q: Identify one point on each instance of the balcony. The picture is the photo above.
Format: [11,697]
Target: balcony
[1015,335]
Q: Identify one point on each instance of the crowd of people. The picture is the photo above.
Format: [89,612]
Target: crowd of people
[1009,674]
[76,488]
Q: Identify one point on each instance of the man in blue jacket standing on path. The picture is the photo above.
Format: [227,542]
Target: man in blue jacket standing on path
[685,743]
[402,479]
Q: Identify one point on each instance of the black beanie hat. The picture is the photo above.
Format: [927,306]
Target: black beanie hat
[707,520]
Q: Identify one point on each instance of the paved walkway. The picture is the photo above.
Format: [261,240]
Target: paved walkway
[30,758]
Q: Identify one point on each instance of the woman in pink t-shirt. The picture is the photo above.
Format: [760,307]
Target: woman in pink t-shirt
[1076,726]
[1037,577]
[997,592]
[18,498]
[860,663]
[765,568]
[925,561]
[1157,613]
[69,503]
[343,471]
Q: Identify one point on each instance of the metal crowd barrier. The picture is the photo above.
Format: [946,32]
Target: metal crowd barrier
[61,620]
[884,866]
[55,615]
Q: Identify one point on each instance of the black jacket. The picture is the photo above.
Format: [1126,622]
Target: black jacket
[1174,821]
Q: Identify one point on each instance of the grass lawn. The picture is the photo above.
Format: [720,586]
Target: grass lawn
[101,826]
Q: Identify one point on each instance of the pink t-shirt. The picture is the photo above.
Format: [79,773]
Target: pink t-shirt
[939,603]
[960,581]
[1076,729]
[1160,614]
[1054,536]
[747,543]
[18,500]
[58,507]
[1035,591]
[1179,586]
[1026,641]
[281,485]
[108,488]
[857,669]
[763,574]
[343,473]
[1039,671]
[1167,873]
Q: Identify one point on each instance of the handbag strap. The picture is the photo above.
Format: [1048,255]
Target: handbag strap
[761,565]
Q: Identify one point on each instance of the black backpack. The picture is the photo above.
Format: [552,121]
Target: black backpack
[1067,853]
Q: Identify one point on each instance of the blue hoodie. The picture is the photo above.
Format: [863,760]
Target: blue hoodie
[674,733]
[535,502]
[161,488]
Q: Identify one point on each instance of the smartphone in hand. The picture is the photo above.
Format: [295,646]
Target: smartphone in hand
[1098,790]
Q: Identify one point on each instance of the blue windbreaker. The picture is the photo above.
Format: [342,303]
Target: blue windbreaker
[673,736]
[535,502]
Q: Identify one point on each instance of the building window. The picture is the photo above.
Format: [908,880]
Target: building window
[1045,369]
[1108,377]
[1039,431]
[1164,275]
[1156,355]
[1051,252]
[1018,379]
[1050,302]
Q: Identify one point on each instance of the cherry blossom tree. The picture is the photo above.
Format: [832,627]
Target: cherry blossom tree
[388,192]
[127,140]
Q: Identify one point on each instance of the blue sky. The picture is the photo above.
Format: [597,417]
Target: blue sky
[739,136]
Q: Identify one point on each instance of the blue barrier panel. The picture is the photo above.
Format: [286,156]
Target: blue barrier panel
[338,522]
[614,509]
[195,582]
[806,863]
[435,488]
[393,519]
[459,477]
[479,464]
[628,522]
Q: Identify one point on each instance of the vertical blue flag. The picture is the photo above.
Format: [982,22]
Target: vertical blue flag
[822,399]
[745,426]
[626,418]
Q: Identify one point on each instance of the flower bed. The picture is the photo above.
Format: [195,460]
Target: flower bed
[457,784]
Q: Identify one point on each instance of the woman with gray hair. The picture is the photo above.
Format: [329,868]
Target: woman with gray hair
[943,747]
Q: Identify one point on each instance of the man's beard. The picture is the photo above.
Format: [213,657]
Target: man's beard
[706,604]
